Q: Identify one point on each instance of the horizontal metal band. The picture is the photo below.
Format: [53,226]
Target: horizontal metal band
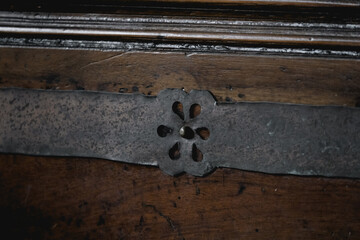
[182,132]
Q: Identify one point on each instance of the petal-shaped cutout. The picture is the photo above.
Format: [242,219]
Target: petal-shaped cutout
[177,108]
[174,152]
[187,133]
[163,131]
[195,110]
[203,132]
[197,155]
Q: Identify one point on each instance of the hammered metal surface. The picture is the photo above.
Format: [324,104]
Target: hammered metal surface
[264,137]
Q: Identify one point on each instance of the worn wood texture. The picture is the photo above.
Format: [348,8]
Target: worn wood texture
[72,198]
[346,3]
[79,198]
[203,3]
[239,31]
[304,80]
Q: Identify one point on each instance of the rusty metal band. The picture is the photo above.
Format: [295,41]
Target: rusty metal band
[164,131]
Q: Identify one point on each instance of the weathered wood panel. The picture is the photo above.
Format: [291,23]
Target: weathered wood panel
[303,80]
[76,198]
[79,198]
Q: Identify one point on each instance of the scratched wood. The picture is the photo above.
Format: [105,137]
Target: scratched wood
[80,198]
[304,80]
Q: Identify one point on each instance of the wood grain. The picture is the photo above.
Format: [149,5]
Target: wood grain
[80,198]
[187,29]
[230,77]
[98,3]
[313,3]
[62,198]
[274,2]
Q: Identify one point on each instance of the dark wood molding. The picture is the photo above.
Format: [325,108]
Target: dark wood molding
[307,28]
[182,29]
[180,33]
[292,51]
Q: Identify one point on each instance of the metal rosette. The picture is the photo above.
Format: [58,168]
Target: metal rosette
[185,135]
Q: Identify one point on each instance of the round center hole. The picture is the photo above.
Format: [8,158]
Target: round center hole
[187,132]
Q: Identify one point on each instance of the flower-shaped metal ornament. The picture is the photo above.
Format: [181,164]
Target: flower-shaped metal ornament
[183,131]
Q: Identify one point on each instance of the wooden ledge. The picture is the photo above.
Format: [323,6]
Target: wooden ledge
[182,29]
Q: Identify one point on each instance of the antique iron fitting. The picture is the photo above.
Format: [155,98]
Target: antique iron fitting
[182,132]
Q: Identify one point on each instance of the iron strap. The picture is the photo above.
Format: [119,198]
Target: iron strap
[182,132]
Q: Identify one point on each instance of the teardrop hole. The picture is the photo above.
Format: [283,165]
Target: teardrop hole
[195,110]
[197,155]
[163,131]
[174,152]
[177,108]
[187,132]
[203,132]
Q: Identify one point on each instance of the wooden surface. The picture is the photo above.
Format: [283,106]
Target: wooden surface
[72,198]
[111,3]
[230,77]
[240,31]
[79,198]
